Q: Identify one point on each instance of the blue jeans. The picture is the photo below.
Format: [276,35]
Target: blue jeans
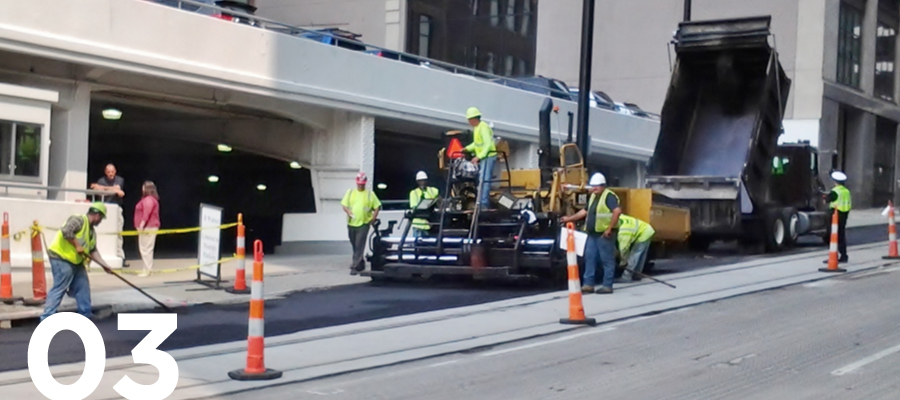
[72,279]
[599,250]
[636,259]
[486,174]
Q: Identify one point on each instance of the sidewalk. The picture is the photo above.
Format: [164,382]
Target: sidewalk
[868,217]
[283,275]
[347,348]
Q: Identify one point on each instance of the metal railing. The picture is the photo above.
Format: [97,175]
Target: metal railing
[279,27]
[93,195]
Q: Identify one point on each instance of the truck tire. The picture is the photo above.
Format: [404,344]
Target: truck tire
[699,243]
[774,230]
[792,226]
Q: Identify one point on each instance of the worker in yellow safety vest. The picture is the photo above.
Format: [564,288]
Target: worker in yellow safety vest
[634,244]
[361,206]
[420,226]
[72,250]
[602,214]
[485,153]
[839,200]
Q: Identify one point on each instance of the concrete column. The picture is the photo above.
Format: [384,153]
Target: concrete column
[859,165]
[830,44]
[338,154]
[828,136]
[523,156]
[394,24]
[896,182]
[869,32]
[69,136]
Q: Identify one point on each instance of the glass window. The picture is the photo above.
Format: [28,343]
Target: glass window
[474,7]
[511,15]
[510,64]
[20,149]
[526,17]
[885,45]
[849,45]
[522,69]
[489,68]
[495,12]
[424,36]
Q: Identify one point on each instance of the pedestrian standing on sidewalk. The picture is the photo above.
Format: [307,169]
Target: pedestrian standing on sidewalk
[74,247]
[362,207]
[115,184]
[146,221]
[839,200]
[634,243]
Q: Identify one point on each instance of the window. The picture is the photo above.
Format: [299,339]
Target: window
[526,17]
[885,46]
[510,63]
[495,12]
[20,149]
[522,69]
[849,45]
[489,68]
[511,15]
[475,7]
[424,36]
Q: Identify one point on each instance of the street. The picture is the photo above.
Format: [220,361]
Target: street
[831,339]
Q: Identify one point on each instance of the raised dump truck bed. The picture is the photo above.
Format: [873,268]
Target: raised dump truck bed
[719,137]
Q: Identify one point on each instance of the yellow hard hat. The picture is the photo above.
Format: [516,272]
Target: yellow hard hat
[472,112]
[98,208]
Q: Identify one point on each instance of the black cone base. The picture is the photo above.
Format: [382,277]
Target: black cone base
[9,300]
[890,258]
[235,291]
[586,321]
[240,375]
[33,302]
[832,270]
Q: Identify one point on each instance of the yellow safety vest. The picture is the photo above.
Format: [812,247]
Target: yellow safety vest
[842,203]
[66,250]
[604,214]
[631,231]
[415,197]
[483,141]
[362,204]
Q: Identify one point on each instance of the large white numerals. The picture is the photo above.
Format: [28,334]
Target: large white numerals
[146,352]
[94,357]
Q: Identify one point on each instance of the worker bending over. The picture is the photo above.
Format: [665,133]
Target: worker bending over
[420,226]
[634,244]
[362,207]
[840,201]
[602,215]
[73,249]
[485,152]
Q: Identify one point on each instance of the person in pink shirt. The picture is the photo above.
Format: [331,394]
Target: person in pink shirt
[146,220]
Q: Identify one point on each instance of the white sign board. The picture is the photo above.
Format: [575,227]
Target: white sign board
[208,252]
[580,240]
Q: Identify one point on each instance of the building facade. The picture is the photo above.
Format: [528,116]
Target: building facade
[839,54]
[494,36]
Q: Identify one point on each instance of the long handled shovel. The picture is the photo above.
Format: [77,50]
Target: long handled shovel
[164,307]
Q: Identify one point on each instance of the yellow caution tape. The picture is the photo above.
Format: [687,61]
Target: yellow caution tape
[158,232]
[165,271]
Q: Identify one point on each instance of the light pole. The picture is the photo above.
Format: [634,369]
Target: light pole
[584,84]
[687,10]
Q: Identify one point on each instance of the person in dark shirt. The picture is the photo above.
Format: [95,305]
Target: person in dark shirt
[839,199]
[602,215]
[115,185]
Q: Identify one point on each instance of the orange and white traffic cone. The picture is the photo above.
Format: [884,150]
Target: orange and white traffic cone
[892,235]
[240,275]
[833,247]
[6,290]
[576,308]
[256,368]
[38,273]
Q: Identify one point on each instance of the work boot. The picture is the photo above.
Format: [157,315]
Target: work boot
[604,290]
[587,289]
[353,271]
[102,314]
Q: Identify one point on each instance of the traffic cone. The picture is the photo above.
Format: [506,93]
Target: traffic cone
[240,276]
[38,273]
[892,235]
[6,290]
[833,247]
[256,369]
[576,308]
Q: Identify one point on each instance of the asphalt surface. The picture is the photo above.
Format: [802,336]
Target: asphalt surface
[210,324]
[830,339]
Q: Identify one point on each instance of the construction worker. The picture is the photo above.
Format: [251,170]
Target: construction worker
[634,244]
[74,247]
[602,215]
[362,207]
[420,226]
[839,200]
[485,152]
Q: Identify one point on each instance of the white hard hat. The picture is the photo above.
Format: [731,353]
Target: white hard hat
[421,176]
[597,180]
[838,176]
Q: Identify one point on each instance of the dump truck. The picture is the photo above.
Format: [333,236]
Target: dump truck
[518,236]
[718,153]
